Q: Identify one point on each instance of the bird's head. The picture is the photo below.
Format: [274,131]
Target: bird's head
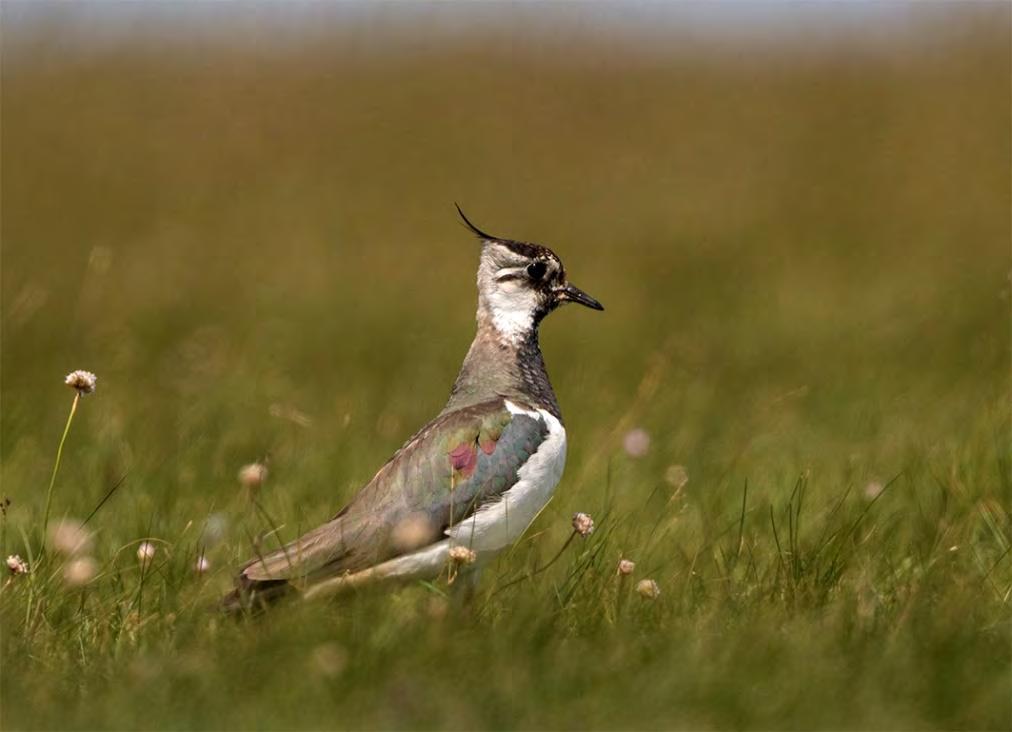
[519,283]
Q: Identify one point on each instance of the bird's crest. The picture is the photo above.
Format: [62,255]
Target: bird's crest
[474,229]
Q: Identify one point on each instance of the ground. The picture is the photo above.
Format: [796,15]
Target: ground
[793,414]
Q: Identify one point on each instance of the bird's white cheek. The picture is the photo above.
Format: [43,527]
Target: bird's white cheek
[512,312]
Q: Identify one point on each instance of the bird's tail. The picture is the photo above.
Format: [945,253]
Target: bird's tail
[319,555]
[253,596]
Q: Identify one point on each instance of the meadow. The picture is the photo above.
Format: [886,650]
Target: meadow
[793,414]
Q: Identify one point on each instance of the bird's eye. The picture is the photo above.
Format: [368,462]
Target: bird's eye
[536,270]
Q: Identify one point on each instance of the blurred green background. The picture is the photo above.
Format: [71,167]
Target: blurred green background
[240,217]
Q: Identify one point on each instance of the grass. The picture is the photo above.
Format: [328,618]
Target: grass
[805,269]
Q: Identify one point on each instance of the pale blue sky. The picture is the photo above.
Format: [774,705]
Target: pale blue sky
[745,20]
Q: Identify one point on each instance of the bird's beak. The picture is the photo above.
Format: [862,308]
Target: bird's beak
[574,294]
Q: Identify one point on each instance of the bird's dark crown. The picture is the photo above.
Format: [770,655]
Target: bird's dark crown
[523,248]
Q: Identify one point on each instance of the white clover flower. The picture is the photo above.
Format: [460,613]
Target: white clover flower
[16,564]
[636,442]
[676,476]
[626,567]
[583,524]
[70,537]
[252,476]
[145,552]
[648,589]
[202,565]
[79,571]
[83,381]
[462,555]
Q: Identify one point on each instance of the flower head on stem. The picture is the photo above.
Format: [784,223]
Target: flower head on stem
[16,564]
[84,383]
[583,524]
[648,589]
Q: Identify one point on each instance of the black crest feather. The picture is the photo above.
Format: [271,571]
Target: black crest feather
[474,229]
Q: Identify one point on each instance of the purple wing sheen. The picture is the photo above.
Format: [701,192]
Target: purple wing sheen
[464,459]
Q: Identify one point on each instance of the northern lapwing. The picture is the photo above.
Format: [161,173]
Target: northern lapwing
[472,480]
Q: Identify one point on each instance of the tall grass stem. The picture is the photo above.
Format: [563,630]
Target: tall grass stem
[56,467]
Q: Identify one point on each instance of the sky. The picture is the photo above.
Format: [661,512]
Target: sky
[753,21]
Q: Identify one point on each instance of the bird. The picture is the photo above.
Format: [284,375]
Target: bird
[467,484]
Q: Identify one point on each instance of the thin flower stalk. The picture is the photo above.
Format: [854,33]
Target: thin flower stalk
[56,465]
[624,571]
[542,568]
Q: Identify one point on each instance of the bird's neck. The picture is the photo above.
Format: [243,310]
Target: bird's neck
[503,364]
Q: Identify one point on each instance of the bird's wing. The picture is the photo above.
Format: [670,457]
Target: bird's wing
[454,465]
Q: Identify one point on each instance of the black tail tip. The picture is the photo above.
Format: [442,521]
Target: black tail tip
[254,597]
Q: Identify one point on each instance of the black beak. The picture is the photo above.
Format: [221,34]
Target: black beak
[574,294]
